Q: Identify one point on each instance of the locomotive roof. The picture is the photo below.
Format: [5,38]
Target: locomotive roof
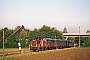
[56,39]
[49,39]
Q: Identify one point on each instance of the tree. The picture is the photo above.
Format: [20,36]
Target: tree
[47,31]
[33,34]
[7,32]
[65,30]
[88,31]
[87,42]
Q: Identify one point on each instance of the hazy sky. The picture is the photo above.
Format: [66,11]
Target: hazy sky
[55,13]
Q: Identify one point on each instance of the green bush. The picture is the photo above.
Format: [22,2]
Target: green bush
[11,45]
[87,42]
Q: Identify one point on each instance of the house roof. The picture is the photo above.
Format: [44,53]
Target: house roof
[18,30]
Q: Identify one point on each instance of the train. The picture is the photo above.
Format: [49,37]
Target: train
[49,43]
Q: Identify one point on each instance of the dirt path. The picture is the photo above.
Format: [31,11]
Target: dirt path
[66,54]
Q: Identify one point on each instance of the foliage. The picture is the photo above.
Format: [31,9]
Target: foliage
[87,42]
[33,34]
[88,31]
[43,32]
[10,45]
[47,31]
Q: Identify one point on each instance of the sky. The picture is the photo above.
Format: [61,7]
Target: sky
[54,13]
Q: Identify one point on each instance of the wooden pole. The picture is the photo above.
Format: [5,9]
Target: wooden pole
[3,44]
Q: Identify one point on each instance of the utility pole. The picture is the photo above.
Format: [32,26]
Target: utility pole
[79,36]
[3,44]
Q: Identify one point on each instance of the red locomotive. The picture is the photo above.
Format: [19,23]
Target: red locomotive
[49,43]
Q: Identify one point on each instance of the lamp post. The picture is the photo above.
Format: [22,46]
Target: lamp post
[79,36]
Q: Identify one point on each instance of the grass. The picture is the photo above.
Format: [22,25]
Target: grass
[12,49]
[8,49]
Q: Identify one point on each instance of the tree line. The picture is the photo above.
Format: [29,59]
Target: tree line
[43,32]
[11,40]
